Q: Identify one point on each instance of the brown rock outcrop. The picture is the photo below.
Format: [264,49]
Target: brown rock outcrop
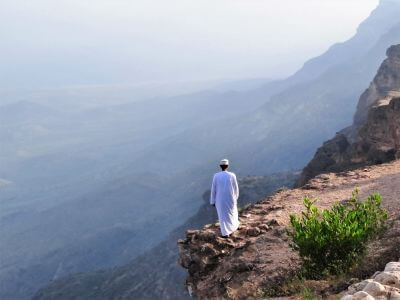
[374,136]
[386,80]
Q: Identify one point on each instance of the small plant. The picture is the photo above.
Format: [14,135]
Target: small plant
[331,241]
[308,294]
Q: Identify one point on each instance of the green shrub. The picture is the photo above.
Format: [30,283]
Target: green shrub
[308,294]
[331,241]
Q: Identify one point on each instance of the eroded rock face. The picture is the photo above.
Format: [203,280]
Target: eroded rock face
[375,135]
[386,80]
[383,285]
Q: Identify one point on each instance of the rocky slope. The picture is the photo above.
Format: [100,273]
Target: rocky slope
[155,274]
[374,136]
[257,260]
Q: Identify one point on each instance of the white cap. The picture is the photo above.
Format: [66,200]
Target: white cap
[224,162]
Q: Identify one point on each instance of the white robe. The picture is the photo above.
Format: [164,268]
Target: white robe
[224,194]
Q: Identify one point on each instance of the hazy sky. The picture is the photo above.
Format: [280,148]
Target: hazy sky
[67,42]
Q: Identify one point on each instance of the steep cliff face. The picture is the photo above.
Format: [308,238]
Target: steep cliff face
[386,81]
[374,136]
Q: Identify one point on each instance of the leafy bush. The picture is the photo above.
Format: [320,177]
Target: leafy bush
[331,241]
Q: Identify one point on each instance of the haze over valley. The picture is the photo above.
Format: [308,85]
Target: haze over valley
[104,162]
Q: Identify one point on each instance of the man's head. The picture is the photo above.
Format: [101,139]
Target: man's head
[224,164]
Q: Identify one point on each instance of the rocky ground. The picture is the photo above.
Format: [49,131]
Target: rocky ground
[257,260]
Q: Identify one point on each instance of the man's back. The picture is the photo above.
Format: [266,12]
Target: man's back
[225,185]
[224,195]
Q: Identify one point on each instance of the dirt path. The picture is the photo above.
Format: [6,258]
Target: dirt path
[258,256]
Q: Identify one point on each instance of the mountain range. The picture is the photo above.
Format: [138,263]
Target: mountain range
[94,188]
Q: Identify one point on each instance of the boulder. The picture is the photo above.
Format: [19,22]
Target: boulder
[383,285]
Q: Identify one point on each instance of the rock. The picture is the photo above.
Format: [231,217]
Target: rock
[324,177]
[394,295]
[375,289]
[225,278]
[362,296]
[192,232]
[264,227]
[207,236]
[208,249]
[244,266]
[389,278]
[185,260]
[356,287]
[280,190]
[279,232]
[310,186]
[254,231]
[273,222]
[353,280]
[276,207]
[393,267]
[384,285]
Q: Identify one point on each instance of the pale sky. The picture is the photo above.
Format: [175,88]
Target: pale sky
[74,42]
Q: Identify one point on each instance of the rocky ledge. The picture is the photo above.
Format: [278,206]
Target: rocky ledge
[257,260]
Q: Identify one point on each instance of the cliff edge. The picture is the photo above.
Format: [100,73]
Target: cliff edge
[257,260]
[374,136]
[155,274]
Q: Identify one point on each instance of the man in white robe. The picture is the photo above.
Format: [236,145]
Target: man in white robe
[224,196]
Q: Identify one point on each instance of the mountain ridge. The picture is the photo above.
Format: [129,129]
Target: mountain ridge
[374,136]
